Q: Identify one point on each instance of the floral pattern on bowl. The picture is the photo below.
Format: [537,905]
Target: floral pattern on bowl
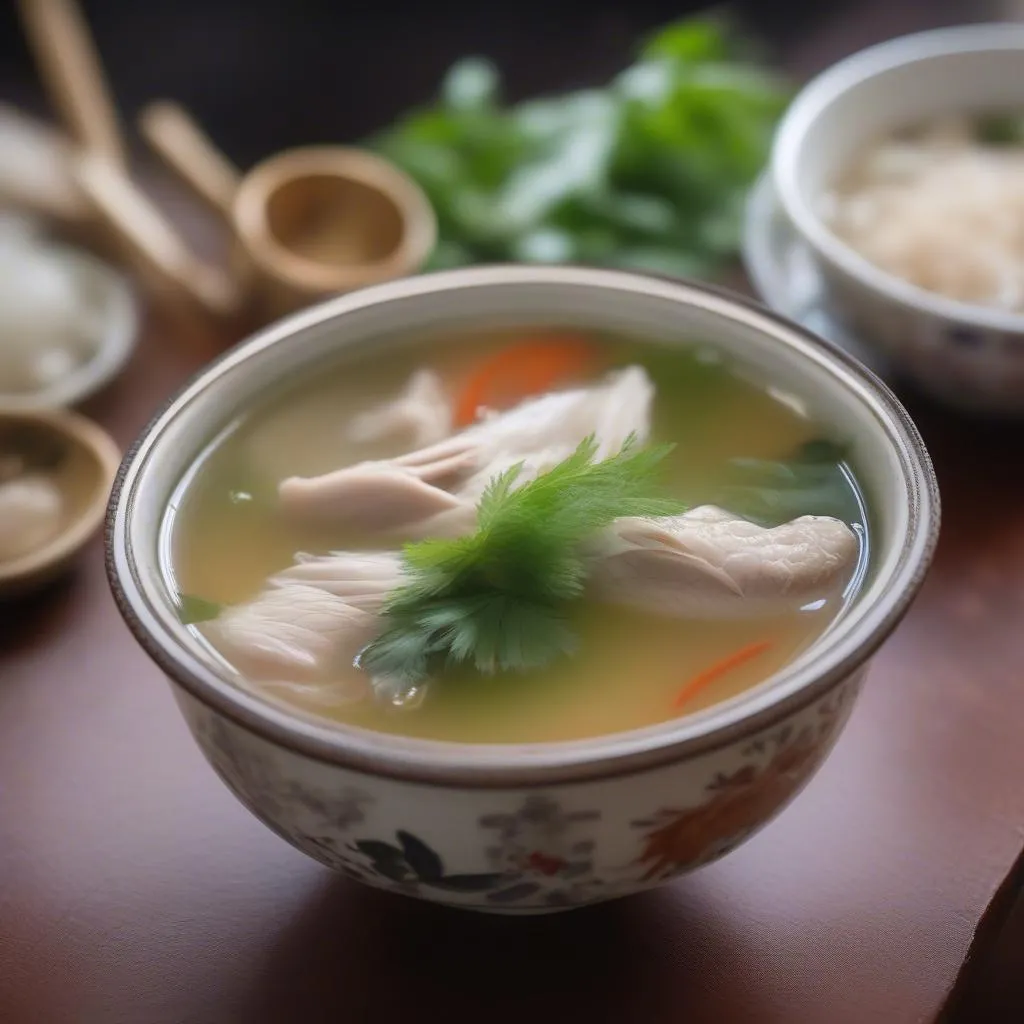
[679,840]
[533,850]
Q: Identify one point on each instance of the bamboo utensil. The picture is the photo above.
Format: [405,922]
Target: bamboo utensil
[73,75]
[305,223]
[149,238]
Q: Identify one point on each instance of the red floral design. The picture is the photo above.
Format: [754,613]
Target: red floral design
[681,839]
[545,864]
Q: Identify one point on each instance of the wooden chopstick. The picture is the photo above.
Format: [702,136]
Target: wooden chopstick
[72,72]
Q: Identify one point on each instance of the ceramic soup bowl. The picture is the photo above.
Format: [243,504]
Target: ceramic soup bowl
[530,828]
[969,356]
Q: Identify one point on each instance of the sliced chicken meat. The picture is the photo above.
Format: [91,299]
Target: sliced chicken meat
[421,415]
[433,491]
[318,613]
[705,564]
[377,498]
[711,564]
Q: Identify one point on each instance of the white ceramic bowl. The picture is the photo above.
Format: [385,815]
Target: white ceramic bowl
[528,828]
[965,354]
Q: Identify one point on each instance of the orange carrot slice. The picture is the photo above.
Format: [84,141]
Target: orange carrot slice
[529,368]
[704,679]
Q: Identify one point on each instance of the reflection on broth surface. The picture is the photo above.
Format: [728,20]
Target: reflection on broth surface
[707,609]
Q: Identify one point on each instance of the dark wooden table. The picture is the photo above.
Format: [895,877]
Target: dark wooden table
[134,889]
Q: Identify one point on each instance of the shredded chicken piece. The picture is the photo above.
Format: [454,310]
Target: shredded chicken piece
[318,613]
[420,416]
[704,564]
[434,491]
[711,564]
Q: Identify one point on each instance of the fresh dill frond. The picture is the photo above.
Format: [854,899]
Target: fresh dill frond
[498,599]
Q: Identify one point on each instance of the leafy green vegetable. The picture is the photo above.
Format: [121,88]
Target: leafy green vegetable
[472,85]
[693,383]
[1001,130]
[692,39]
[498,599]
[192,609]
[811,482]
[649,172]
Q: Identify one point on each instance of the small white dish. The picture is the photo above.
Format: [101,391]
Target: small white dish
[104,336]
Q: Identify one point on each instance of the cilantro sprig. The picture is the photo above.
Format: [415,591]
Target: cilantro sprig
[499,599]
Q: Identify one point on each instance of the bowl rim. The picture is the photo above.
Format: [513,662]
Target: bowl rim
[814,101]
[475,766]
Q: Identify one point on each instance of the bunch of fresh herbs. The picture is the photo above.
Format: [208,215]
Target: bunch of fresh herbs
[649,172]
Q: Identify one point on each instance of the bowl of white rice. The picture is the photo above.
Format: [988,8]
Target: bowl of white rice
[901,169]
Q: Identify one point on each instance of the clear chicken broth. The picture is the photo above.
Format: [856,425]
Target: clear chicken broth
[225,537]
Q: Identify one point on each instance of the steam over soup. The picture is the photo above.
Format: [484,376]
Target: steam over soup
[517,537]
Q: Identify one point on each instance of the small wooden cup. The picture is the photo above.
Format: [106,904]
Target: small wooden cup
[84,476]
[308,222]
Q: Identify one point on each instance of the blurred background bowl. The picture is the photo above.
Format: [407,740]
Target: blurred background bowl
[970,356]
[85,337]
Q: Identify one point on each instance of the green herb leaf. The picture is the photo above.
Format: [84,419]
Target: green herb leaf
[471,84]
[497,600]
[691,40]
[192,609]
[650,171]
[1001,130]
[810,482]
